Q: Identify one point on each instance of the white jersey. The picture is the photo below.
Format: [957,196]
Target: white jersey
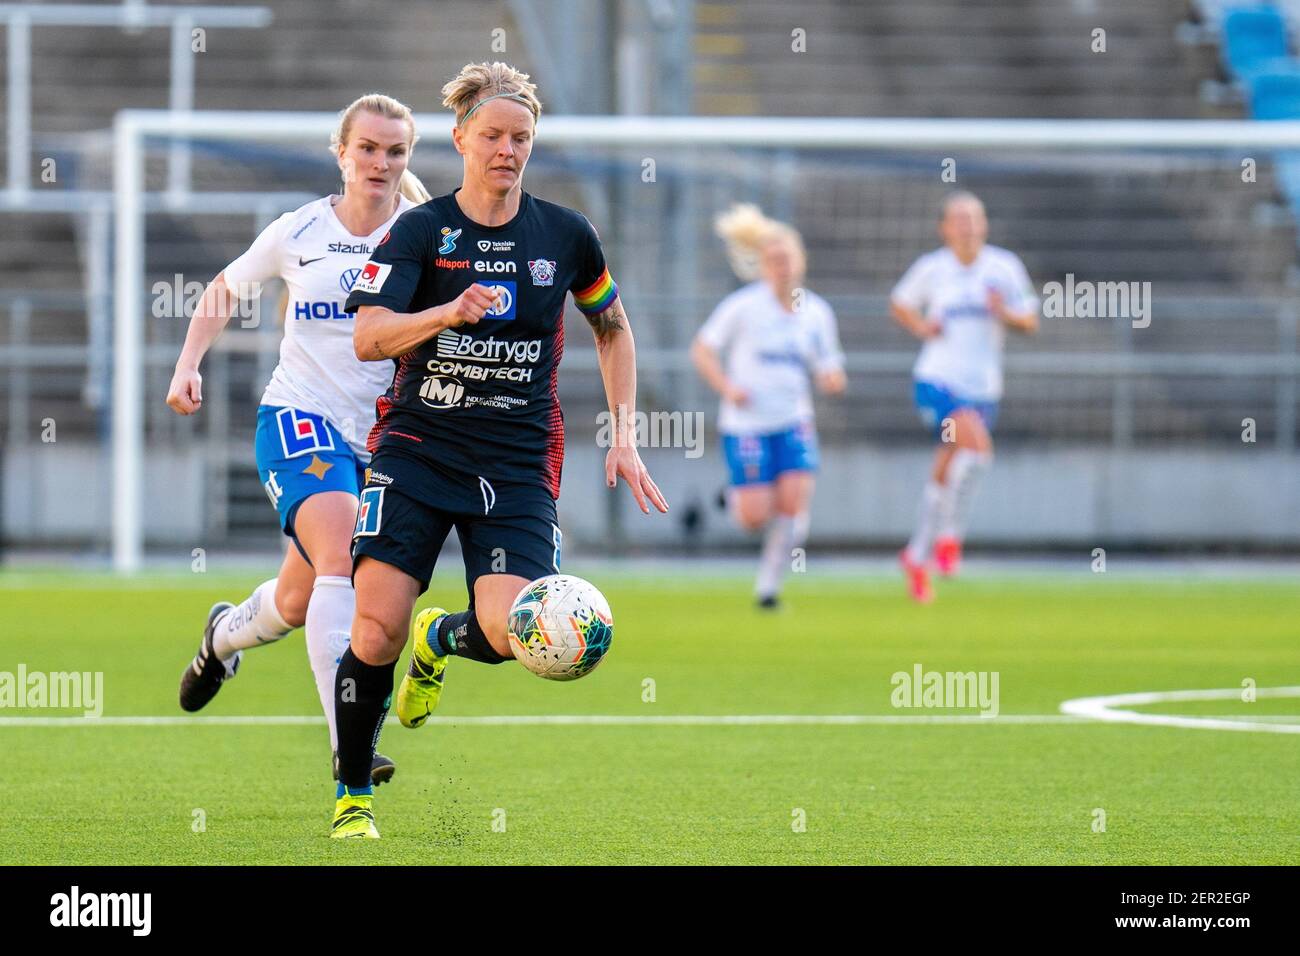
[769,353]
[319,371]
[967,357]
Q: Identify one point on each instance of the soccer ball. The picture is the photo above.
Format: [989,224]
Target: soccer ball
[560,627]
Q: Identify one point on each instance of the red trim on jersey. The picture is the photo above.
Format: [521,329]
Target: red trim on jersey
[384,405]
[553,460]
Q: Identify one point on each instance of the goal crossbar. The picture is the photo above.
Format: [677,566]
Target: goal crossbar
[132,127]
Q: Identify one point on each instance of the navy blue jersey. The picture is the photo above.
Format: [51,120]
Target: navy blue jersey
[481,399]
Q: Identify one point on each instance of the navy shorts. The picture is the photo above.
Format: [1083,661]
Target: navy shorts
[409,506]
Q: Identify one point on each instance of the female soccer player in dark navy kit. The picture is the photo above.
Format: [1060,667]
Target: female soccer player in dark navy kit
[466,296]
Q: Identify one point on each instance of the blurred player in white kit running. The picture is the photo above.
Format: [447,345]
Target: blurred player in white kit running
[762,349]
[959,301]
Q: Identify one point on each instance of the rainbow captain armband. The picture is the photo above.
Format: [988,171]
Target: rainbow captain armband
[596,298]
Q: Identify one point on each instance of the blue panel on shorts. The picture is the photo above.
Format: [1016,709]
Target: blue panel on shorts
[300,454]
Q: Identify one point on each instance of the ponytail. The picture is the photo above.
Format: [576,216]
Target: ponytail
[745,230]
[411,187]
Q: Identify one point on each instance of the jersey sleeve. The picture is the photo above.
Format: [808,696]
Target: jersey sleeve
[1021,296]
[720,326]
[392,274]
[593,288]
[828,356]
[261,262]
[913,289]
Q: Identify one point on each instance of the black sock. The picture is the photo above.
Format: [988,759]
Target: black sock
[362,693]
[460,634]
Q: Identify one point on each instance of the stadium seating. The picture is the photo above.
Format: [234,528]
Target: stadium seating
[1275,92]
[1012,58]
[863,220]
[1254,40]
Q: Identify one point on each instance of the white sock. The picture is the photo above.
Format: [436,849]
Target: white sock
[802,521]
[927,522]
[257,621]
[329,629]
[964,473]
[778,542]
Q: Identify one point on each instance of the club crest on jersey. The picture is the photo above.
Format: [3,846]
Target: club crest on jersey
[449,238]
[302,433]
[370,512]
[542,271]
[372,278]
[348,279]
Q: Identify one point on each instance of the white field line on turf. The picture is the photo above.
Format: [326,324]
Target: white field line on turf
[1100,708]
[529,720]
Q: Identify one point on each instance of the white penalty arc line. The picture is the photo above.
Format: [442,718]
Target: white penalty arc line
[531,720]
[1102,709]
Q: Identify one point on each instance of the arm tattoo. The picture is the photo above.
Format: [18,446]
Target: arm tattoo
[606,323]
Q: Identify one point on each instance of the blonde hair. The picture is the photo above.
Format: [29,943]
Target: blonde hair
[389,108]
[477,82]
[745,230]
[956,196]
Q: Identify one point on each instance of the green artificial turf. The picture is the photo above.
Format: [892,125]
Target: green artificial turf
[989,791]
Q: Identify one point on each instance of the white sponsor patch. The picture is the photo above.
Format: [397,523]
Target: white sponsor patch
[453,344]
[372,277]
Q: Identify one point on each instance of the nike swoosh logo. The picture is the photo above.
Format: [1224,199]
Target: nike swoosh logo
[307,262]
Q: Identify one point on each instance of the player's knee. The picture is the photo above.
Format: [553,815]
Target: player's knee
[291,602]
[333,564]
[377,639]
[751,516]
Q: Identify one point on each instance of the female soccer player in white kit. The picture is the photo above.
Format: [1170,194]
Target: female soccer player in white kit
[317,409]
[959,301]
[777,338]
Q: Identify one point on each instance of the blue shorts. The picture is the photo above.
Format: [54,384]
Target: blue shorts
[759,459]
[300,454]
[934,403]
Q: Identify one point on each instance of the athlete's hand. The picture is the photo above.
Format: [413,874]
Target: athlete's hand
[931,329]
[736,395]
[185,394]
[624,461]
[471,305]
[997,305]
[832,381]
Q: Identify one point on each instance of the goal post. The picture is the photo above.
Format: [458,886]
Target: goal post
[131,202]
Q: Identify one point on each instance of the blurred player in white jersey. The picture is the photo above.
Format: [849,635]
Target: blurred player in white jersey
[777,339]
[317,409]
[959,301]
